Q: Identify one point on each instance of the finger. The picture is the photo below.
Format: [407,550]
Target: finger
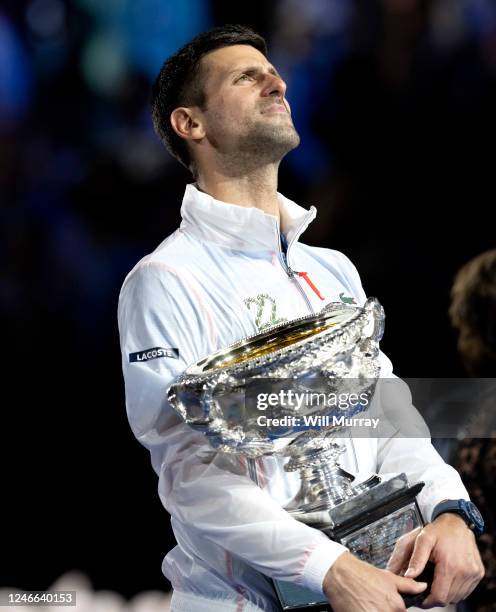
[440,589]
[466,585]
[457,591]
[463,591]
[422,548]
[463,584]
[440,599]
[402,552]
[407,585]
[397,603]
[470,588]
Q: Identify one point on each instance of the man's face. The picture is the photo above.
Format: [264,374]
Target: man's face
[246,112]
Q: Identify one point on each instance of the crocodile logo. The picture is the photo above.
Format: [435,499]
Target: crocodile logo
[346,299]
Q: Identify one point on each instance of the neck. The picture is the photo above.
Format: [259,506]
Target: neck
[254,189]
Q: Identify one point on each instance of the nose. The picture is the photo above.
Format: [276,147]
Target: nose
[274,86]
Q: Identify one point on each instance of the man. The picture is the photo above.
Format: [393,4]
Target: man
[233,268]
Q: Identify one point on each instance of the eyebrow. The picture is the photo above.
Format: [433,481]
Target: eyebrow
[255,69]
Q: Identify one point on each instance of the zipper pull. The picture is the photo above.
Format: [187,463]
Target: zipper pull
[305,276]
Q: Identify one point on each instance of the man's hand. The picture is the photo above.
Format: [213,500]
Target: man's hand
[450,544]
[352,585]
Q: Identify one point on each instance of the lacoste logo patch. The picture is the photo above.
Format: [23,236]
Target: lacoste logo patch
[154,353]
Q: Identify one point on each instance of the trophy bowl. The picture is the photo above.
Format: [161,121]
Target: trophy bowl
[332,351]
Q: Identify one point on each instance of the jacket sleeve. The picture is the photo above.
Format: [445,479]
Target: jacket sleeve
[162,331]
[409,449]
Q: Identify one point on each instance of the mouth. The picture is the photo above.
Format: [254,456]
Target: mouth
[276,107]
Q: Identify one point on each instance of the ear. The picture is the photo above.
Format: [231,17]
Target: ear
[186,124]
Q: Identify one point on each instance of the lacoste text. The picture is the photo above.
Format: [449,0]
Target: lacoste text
[154,353]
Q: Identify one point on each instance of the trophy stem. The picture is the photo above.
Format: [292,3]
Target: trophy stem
[328,485]
[324,483]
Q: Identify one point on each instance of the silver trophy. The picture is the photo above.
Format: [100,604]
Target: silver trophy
[331,354]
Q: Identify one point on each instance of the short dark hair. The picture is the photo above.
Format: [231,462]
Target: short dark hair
[473,313]
[180,81]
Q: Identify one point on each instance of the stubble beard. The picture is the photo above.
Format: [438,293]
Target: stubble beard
[266,142]
[260,143]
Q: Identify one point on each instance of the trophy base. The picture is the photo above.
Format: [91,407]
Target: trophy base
[369,525]
[305,597]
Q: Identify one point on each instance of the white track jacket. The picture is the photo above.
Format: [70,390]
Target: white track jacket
[218,278]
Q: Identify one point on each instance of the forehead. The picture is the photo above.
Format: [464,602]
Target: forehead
[220,62]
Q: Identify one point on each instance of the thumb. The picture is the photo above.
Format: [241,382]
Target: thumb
[420,555]
[407,585]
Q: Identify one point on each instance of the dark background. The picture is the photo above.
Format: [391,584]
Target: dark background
[394,101]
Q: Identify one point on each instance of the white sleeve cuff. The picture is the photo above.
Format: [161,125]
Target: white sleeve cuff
[429,503]
[318,563]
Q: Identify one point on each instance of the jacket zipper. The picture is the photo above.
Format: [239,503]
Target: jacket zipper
[253,468]
[286,267]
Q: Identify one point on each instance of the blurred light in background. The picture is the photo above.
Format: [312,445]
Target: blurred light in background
[47,35]
[103,62]
[147,32]
[46,18]
[16,79]
[309,40]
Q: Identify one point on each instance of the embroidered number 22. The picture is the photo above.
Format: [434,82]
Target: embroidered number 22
[266,309]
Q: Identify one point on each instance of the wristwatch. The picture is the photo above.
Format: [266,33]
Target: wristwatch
[466,509]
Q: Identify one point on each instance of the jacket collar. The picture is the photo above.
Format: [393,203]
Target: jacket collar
[240,228]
